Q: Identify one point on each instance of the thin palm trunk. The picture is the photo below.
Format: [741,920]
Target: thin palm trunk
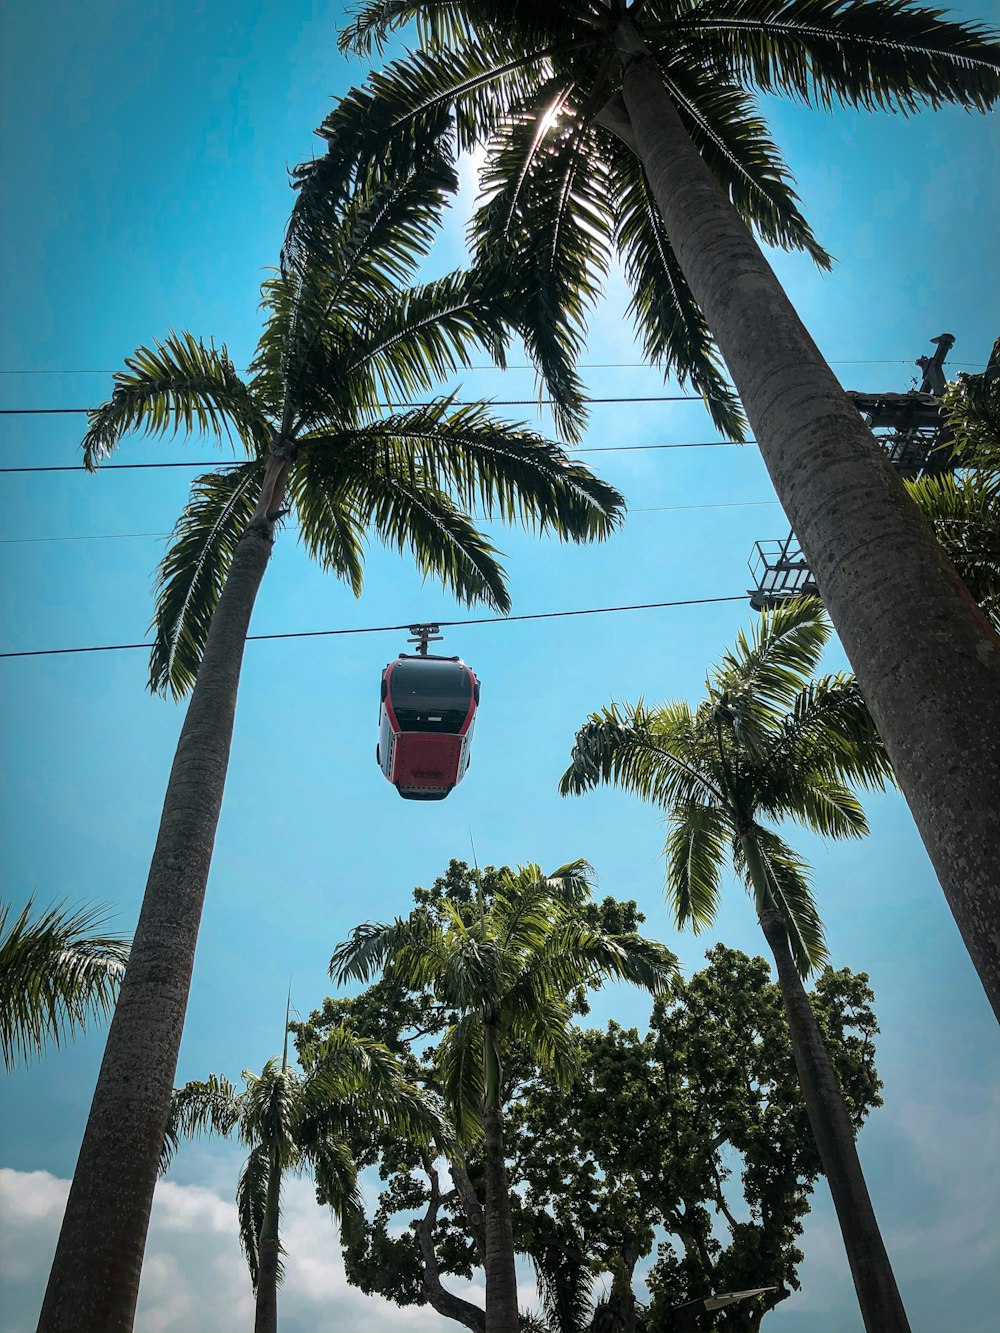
[881,1305]
[926,658]
[266,1315]
[94,1282]
[501,1279]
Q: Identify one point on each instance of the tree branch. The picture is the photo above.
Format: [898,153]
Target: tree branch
[443,1301]
[473,1208]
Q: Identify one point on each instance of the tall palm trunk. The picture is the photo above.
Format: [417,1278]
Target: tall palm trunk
[266,1315]
[926,658]
[94,1282]
[881,1305]
[501,1280]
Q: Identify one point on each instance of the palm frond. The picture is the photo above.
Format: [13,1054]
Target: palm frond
[828,732]
[409,340]
[193,572]
[59,969]
[337,1178]
[211,1106]
[269,1112]
[788,892]
[329,525]
[460,1059]
[774,663]
[408,513]
[673,329]
[440,22]
[565,1284]
[652,753]
[695,851]
[251,1202]
[965,516]
[725,125]
[505,471]
[177,383]
[389,127]
[888,55]
[544,234]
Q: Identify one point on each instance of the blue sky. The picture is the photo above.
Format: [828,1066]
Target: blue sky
[145,152]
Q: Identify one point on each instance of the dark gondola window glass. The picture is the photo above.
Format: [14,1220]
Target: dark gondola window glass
[430,696]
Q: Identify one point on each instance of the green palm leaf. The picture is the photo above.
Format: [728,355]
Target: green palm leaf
[177,383]
[790,894]
[251,1201]
[193,572]
[876,54]
[209,1107]
[965,516]
[58,970]
[460,1059]
[695,851]
[673,329]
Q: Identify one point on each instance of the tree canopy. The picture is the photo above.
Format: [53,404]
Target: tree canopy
[675,1163]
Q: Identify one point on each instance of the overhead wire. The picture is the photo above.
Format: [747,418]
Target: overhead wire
[584,365]
[128,536]
[225,462]
[457,402]
[387,629]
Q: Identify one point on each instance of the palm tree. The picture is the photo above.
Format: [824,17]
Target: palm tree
[338,340]
[58,969]
[770,741]
[508,975]
[965,515]
[628,126]
[291,1122]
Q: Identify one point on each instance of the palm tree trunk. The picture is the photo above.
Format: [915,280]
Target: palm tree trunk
[881,1305]
[926,658]
[501,1280]
[94,1282]
[266,1314]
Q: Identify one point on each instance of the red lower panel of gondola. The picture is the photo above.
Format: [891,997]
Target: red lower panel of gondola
[425,766]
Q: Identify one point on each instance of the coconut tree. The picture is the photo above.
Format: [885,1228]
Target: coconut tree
[770,741]
[508,975]
[340,339]
[290,1122]
[630,126]
[58,969]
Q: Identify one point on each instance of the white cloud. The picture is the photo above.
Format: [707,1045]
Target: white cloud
[194,1275]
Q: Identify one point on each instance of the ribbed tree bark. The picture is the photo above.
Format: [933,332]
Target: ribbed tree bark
[498,1228]
[925,656]
[266,1311]
[501,1280]
[879,1298]
[94,1282]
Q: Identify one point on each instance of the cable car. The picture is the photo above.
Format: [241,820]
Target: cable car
[426,717]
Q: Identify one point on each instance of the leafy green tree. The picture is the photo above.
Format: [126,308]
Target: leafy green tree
[659,1134]
[964,512]
[509,976]
[59,968]
[972,407]
[338,341]
[629,128]
[964,509]
[698,1129]
[291,1122]
[770,741]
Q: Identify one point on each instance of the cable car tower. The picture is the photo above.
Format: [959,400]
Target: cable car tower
[914,435]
